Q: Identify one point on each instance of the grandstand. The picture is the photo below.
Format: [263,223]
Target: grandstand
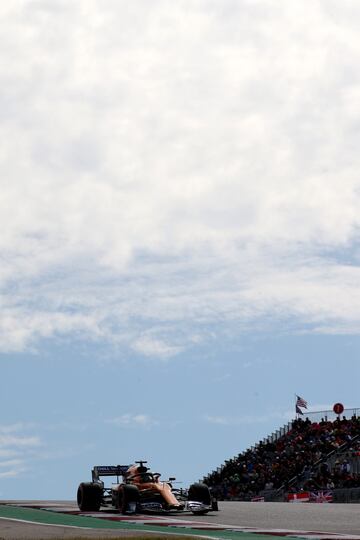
[320,453]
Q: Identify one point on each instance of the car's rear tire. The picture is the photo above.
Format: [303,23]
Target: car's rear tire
[200,493]
[89,497]
[127,495]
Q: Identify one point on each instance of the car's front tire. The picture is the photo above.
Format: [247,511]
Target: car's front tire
[200,493]
[128,495]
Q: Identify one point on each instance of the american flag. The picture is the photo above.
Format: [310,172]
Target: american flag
[300,402]
[298,410]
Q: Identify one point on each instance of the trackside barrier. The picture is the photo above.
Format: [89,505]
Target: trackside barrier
[272,495]
[355,464]
[344,495]
[348,495]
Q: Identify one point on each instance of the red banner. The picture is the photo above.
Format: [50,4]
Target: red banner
[303,496]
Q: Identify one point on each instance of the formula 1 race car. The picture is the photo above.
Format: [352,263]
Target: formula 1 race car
[141,490]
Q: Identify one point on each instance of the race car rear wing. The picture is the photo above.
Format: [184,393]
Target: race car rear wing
[108,470]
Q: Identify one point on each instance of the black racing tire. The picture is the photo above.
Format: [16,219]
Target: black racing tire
[201,493]
[89,497]
[127,494]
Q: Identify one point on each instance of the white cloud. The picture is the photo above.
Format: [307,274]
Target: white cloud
[15,448]
[18,441]
[7,453]
[10,428]
[247,419]
[169,168]
[149,346]
[133,420]
[11,463]
[12,473]
[221,420]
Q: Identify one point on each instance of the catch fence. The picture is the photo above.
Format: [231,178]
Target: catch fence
[329,416]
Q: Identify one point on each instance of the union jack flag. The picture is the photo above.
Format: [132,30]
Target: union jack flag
[321,497]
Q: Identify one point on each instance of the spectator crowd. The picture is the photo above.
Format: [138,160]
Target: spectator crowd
[310,456]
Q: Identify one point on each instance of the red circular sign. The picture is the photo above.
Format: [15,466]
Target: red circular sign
[338,408]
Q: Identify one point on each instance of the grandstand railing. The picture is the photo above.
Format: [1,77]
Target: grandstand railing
[271,438]
[276,435]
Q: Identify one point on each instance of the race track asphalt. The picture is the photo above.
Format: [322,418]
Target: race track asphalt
[343,519]
[337,518]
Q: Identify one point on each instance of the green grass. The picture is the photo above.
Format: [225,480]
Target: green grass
[141,531]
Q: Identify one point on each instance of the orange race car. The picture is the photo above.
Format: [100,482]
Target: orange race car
[141,490]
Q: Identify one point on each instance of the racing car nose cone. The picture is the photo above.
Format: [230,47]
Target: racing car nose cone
[177,507]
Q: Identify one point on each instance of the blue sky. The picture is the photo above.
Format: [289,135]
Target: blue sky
[180,230]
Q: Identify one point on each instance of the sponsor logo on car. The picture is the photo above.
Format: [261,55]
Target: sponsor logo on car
[150,505]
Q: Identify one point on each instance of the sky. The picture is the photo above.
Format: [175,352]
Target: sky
[179,215]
